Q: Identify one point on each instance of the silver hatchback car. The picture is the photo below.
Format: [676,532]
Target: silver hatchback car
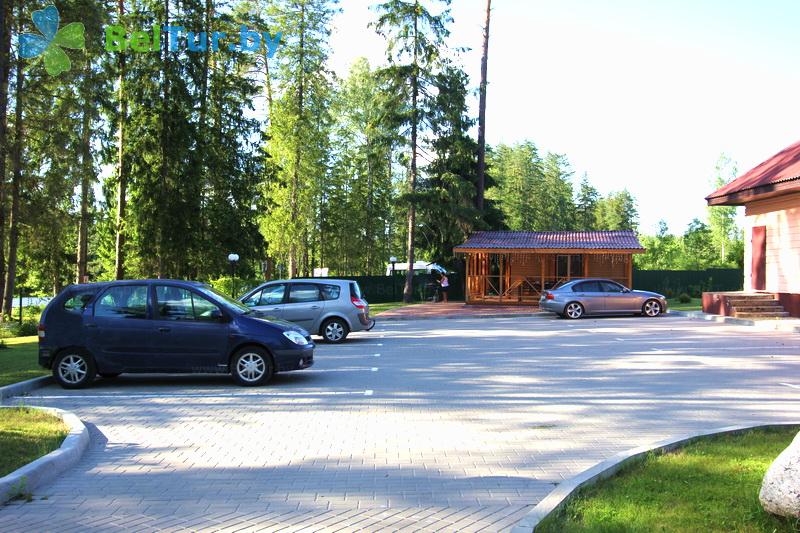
[580,297]
[331,308]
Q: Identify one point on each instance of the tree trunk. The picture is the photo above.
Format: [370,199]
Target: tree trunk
[482,112]
[86,178]
[408,289]
[6,12]
[293,259]
[122,171]
[165,128]
[16,161]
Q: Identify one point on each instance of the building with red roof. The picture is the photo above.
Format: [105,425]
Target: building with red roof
[770,193]
[514,267]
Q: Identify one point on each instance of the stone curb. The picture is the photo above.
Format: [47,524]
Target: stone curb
[378,317]
[767,325]
[47,468]
[18,389]
[559,497]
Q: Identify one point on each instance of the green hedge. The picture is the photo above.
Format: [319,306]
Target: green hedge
[672,283]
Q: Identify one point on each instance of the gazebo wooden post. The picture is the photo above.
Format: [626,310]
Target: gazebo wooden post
[541,260]
[585,261]
[630,271]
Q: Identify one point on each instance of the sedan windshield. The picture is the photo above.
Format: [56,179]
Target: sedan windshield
[226,301]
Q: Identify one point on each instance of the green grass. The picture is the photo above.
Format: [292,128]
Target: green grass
[27,434]
[18,361]
[374,309]
[695,305]
[709,486]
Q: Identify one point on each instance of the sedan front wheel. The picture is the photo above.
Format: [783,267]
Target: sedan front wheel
[651,308]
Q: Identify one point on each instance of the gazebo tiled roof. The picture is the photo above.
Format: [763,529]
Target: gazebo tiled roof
[552,240]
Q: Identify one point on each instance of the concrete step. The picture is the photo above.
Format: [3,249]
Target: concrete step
[758,299]
[762,314]
[756,308]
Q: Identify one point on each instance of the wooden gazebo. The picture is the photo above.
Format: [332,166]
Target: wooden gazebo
[514,267]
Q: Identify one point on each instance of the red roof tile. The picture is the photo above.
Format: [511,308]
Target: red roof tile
[544,240]
[781,168]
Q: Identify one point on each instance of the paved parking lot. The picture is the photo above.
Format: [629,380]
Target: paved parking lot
[438,425]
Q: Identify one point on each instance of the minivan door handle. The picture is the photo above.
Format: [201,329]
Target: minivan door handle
[91,325]
[164,330]
[314,307]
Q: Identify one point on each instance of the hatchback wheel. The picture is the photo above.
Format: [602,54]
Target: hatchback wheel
[252,366]
[334,330]
[74,369]
[573,310]
[651,308]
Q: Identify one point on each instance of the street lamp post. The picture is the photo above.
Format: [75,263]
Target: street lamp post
[233,259]
[393,260]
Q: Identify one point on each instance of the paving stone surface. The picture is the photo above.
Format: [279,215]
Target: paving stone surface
[431,425]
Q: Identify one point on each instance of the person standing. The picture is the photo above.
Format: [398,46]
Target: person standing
[444,285]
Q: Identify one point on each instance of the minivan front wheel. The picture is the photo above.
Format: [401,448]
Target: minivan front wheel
[252,366]
[334,330]
[74,369]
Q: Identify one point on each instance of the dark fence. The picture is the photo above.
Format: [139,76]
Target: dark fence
[383,289]
[672,283]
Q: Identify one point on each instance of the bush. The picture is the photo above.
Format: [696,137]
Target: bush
[15,329]
[684,298]
[225,284]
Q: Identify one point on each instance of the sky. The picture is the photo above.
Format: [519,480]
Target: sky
[643,95]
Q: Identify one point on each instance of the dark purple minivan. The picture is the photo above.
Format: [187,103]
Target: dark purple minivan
[163,326]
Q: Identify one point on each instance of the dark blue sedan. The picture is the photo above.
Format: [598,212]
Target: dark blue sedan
[163,326]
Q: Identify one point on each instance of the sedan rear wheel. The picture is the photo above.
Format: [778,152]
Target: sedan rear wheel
[252,366]
[573,310]
[651,308]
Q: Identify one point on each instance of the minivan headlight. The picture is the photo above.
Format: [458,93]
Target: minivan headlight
[295,337]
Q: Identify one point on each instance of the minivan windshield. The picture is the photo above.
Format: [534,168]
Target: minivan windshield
[226,301]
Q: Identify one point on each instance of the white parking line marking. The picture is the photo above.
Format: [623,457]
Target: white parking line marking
[374,368]
[354,369]
[792,386]
[376,355]
[210,394]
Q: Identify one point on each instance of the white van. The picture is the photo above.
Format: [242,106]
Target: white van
[420,267]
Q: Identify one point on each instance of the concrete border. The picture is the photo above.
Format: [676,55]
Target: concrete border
[764,325]
[535,314]
[23,387]
[47,468]
[555,501]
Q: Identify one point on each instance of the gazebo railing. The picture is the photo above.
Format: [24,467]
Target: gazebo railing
[520,289]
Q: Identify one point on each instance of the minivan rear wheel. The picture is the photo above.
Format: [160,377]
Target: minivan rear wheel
[252,366]
[334,330]
[74,369]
